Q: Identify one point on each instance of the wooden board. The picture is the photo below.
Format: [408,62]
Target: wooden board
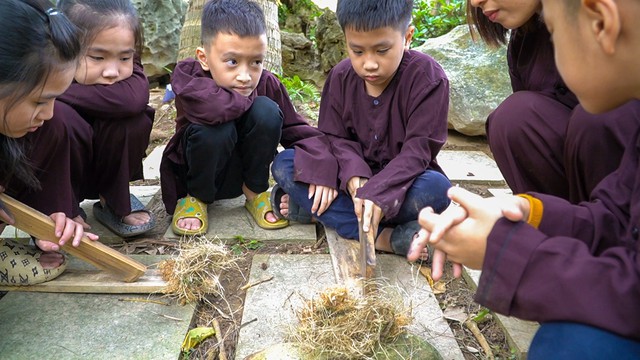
[344,257]
[97,254]
[96,282]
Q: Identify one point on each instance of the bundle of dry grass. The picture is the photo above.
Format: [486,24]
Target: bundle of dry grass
[340,326]
[196,271]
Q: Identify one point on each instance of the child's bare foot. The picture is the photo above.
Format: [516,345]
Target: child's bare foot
[383,242]
[189,224]
[49,259]
[250,195]
[137,218]
[284,205]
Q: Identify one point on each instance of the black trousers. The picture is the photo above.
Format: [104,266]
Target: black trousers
[220,158]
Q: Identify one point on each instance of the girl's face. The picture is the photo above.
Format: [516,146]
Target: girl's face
[511,14]
[28,114]
[109,58]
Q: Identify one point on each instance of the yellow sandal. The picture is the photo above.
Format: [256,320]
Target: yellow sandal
[190,207]
[259,207]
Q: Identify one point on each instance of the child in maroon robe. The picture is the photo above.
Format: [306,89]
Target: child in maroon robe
[541,139]
[231,116]
[39,48]
[94,144]
[574,268]
[384,110]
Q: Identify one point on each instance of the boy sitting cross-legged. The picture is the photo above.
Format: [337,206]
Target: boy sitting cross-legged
[384,110]
[231,116]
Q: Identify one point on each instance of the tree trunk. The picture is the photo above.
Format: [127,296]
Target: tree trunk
[190,34]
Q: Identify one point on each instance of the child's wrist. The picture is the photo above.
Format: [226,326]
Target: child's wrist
[536,208]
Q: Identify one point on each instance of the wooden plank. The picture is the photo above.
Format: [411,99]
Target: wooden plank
[96,282]
[97,254]
[344,257]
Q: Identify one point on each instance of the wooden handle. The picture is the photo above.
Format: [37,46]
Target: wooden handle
[37,224]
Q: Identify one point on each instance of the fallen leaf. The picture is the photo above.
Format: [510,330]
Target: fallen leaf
[438,287]
[455,314]
[195,336]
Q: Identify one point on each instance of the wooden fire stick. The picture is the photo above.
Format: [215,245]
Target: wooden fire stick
[95,253]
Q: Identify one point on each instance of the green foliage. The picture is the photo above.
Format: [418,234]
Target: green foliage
[243,245]
[300,91]
[433,18]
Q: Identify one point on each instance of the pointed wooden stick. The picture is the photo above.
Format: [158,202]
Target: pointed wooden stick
[37,224]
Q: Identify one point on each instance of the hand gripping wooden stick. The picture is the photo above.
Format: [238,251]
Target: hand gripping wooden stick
[95,253]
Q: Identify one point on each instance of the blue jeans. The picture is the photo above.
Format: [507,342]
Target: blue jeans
[429,189]
[564,340]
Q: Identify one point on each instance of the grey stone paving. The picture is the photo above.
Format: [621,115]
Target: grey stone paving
[300,277]
[86,326]
[229,219]
[470,167]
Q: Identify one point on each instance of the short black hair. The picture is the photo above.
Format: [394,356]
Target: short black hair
[240,17]
[367,15]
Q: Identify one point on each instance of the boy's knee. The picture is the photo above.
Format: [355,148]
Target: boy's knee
[212,136]
[266,114]
[282,166]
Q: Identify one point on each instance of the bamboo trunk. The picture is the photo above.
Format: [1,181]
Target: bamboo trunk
[190,34]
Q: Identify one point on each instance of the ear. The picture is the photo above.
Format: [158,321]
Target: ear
[604,17]
[201,56]
[408,36]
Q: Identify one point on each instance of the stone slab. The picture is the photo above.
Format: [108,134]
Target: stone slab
[144,193]
[500,192]
[296,278]
[470,167]
[229,219]
[428,321]
[301,277]
[519,332]
[89,326]
[151,164]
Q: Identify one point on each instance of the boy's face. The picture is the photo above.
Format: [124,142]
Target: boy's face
[235,62]
[375,55]
[589,54]
[109,58]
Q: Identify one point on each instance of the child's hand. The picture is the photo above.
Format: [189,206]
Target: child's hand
[370,214]
[461,232]
[322,196]
[66,229]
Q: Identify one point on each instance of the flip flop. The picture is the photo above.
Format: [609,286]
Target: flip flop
[402,237]
[113,222]
[296,213]
[19,265]
[190,207]
[259,207]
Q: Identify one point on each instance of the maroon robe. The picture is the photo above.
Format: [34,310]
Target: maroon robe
[102,133]
[390,139]
[541,139]
[200,100]
[581,265]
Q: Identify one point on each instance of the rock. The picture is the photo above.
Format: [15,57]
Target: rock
[478,77]
[162,22]
[299,57]
[330,41]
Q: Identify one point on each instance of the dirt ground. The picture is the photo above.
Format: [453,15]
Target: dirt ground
[228,310]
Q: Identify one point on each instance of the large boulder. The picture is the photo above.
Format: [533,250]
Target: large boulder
[330,41]
[162,22]
[478,77]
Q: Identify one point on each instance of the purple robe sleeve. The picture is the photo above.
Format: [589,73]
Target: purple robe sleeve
[532,276]
[581,265]
[200,100]
[313,161]
[123,99]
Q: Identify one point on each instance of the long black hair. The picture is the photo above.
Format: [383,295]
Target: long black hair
[35,40]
